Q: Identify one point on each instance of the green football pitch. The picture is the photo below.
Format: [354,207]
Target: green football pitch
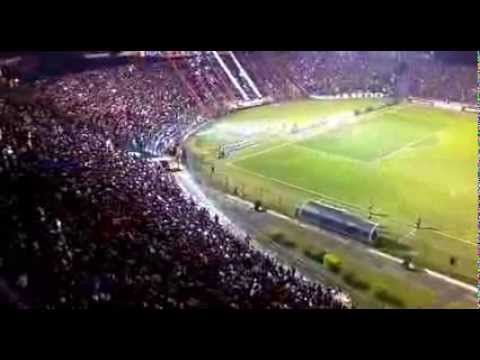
[398,165]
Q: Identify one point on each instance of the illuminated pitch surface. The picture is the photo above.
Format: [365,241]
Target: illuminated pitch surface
[399,164]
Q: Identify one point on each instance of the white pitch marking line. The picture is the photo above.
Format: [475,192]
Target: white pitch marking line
[455,238]
[331,155]
[448,279]
[386,256]
[468,287]
[262,151]
[293,186]
[413,232]
[403,148]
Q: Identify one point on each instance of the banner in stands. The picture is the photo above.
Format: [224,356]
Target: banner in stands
[355,95]
[249,103]
[252,103]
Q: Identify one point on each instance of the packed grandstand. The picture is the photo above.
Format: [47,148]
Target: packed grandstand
[85,224]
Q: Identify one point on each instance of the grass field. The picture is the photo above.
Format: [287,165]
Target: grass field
[398,163]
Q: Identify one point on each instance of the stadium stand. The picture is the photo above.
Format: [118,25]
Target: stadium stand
[86,225]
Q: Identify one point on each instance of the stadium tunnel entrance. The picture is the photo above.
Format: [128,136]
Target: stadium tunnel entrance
[145,146]
[156,147]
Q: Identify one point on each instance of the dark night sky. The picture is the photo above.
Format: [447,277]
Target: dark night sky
[462,57]
[54,63]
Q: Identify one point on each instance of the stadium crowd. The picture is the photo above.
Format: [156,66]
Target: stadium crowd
[439,81]
[332,73]
[84,224]
[328,73]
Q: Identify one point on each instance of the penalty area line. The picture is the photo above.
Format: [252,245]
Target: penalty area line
[267,150]
[329,154]
[404,148]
